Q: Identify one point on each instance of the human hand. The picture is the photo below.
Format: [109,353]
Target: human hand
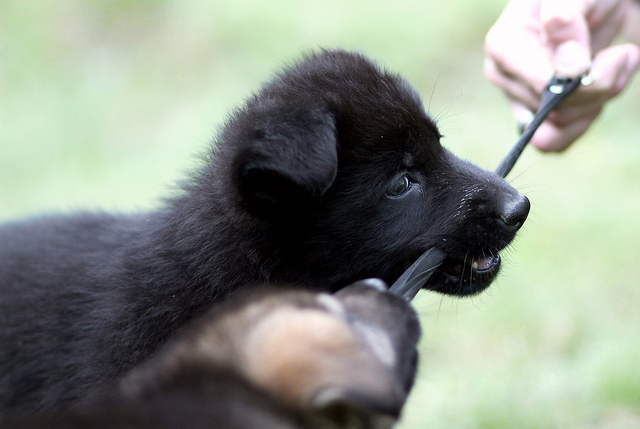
[533,39]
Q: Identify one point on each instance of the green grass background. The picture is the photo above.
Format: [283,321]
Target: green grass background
[104,104]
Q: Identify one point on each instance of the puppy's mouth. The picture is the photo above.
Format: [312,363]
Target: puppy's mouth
[465,276]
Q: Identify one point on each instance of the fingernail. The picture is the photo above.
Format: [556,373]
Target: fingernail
[630,65]
[571,59]
[633,60]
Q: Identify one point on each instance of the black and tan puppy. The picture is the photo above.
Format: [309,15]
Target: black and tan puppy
[272,358]
[333,172]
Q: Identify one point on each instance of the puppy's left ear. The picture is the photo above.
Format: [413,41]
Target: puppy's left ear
[291,157]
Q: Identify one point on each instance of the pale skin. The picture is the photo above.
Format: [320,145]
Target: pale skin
[533,39]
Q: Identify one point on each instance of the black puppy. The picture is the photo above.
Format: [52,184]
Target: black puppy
[271,358]
[332,173]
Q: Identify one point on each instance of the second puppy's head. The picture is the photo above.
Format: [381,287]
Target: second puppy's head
[323,358]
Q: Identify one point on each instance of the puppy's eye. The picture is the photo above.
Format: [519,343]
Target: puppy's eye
[399,186]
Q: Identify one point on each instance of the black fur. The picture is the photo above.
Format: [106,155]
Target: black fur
[306,185]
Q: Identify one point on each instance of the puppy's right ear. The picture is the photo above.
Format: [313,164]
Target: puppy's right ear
[290,158]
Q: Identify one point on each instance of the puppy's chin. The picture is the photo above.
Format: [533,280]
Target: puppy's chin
[465,277]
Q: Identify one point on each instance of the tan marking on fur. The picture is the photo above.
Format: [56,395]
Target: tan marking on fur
[298,353]
[224,340]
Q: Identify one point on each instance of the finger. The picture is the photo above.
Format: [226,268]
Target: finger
[565,33]
[613,68]
[551,138]
[519,58]
[513,43]
[562,116]
[513,88]
[606,19]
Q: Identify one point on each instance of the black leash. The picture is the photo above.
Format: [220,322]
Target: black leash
[557,89]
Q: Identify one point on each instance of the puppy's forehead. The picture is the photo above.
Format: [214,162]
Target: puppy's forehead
[378,100]
[373,107]
[348,80]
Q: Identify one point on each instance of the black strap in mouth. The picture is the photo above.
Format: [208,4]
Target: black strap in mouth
[414,277]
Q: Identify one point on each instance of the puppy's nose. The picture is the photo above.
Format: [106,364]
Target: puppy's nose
[514,211]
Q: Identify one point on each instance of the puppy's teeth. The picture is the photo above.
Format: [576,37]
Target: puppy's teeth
[474,265]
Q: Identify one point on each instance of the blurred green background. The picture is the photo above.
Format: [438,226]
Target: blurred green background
[104,104]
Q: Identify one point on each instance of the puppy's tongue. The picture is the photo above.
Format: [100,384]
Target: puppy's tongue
[482,264]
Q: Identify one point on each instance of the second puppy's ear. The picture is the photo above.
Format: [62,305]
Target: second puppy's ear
[291,157]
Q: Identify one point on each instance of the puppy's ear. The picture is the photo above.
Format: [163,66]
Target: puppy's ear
[290,158]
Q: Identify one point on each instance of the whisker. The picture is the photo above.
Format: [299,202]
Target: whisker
[433,90]
[471,272]
[422,276]
[464,264]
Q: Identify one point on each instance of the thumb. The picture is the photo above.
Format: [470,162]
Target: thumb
[565,32]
